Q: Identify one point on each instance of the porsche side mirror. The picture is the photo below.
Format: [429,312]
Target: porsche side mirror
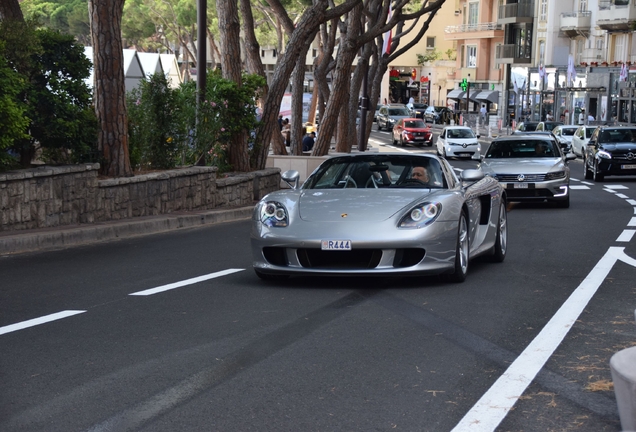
[291,177]
[472,175]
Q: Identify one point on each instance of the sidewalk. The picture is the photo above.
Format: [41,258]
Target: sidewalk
[15,242]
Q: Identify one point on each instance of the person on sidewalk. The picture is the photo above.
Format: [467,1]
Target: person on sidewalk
[309,141]
[482,113]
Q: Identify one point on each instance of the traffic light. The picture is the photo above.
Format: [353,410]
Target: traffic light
[464,84]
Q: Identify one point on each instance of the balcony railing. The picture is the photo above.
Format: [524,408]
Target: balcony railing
[521,9]
[518,53]
[607,4]
[579,14]
[464,28]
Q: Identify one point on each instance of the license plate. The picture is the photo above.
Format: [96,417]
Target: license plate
[520,185]
[628,166]
[419,138]
[336,245]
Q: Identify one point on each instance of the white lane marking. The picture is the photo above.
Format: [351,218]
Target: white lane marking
[632,222]
[191,281]
[587,183]
[626,235]
[632,202]
[610,190]
[579,187]
[37,321]
[616,187]
[621,196]
[495,404]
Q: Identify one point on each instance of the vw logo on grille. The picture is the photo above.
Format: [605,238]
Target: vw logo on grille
[464,145]
[630,156]
[521,177]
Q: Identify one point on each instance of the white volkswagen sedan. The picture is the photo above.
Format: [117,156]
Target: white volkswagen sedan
[458,141]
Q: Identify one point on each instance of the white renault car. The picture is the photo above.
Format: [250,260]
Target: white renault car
[458,141]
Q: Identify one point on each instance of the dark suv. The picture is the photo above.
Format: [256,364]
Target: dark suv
[610,151]
[390,114]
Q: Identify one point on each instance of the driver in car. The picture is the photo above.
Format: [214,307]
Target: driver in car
[421,173]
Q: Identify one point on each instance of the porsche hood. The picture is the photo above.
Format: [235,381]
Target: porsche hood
[355,205]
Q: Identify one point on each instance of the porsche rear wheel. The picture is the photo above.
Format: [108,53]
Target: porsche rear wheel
[461,254]
[501,242]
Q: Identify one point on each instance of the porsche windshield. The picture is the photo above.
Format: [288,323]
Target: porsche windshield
[377,171]
[522,149]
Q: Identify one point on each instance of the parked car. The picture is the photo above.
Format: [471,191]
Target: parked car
[610,151]
[528,126]
[412,131]
[389,115]
[418,110]
[530,168]
[437,114]
[580,139]
[381,219]
[548,125]
[377,110]
[458,141]
[564,134]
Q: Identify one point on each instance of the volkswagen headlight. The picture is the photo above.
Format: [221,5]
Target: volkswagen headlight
[421,215]
[555,175]
[274,214]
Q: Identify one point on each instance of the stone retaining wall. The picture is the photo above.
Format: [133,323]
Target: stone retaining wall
[69,195]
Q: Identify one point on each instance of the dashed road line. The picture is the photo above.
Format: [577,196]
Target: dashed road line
[182,283]
[626,235]
[37,321]
[579,187]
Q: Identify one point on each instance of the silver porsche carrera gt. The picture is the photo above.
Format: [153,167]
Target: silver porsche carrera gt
[379,213]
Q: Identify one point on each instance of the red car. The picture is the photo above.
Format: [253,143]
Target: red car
[412,131]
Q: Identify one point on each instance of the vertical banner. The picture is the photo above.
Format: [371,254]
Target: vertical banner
[604,108]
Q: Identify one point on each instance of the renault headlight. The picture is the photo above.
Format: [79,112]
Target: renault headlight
[274,214]
[421,215]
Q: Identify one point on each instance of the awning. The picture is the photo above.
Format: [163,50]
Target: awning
[456,94]
[489,95]
[474,95]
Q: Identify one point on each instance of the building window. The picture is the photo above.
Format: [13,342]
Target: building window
[274,52]
[543,10]
[473,13]
[582,5]
[430,43]
[542,52]
[471,56]
[314,52]
[262,53]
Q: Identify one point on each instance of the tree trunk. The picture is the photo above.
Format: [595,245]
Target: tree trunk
[10,10]
[337,106]
[231,67]
[109,85]
[298,79]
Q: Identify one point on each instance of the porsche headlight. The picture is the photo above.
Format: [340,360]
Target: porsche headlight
[274,214]
[421,215]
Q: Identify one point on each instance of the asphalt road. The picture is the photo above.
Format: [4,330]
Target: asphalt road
[146,347]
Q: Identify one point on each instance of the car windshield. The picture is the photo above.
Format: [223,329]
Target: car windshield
[460,133]
[399,112]
[589,131]
[551,125]
[617,135]
[522,149]
[415,124]
[529,127]
[419,105]
[376,172]
[568,131]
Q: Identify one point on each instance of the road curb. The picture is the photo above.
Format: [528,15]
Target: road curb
[62,237]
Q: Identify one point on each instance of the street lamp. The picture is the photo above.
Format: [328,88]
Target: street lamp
[428,96]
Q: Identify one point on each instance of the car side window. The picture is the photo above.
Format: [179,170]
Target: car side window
[443,135]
